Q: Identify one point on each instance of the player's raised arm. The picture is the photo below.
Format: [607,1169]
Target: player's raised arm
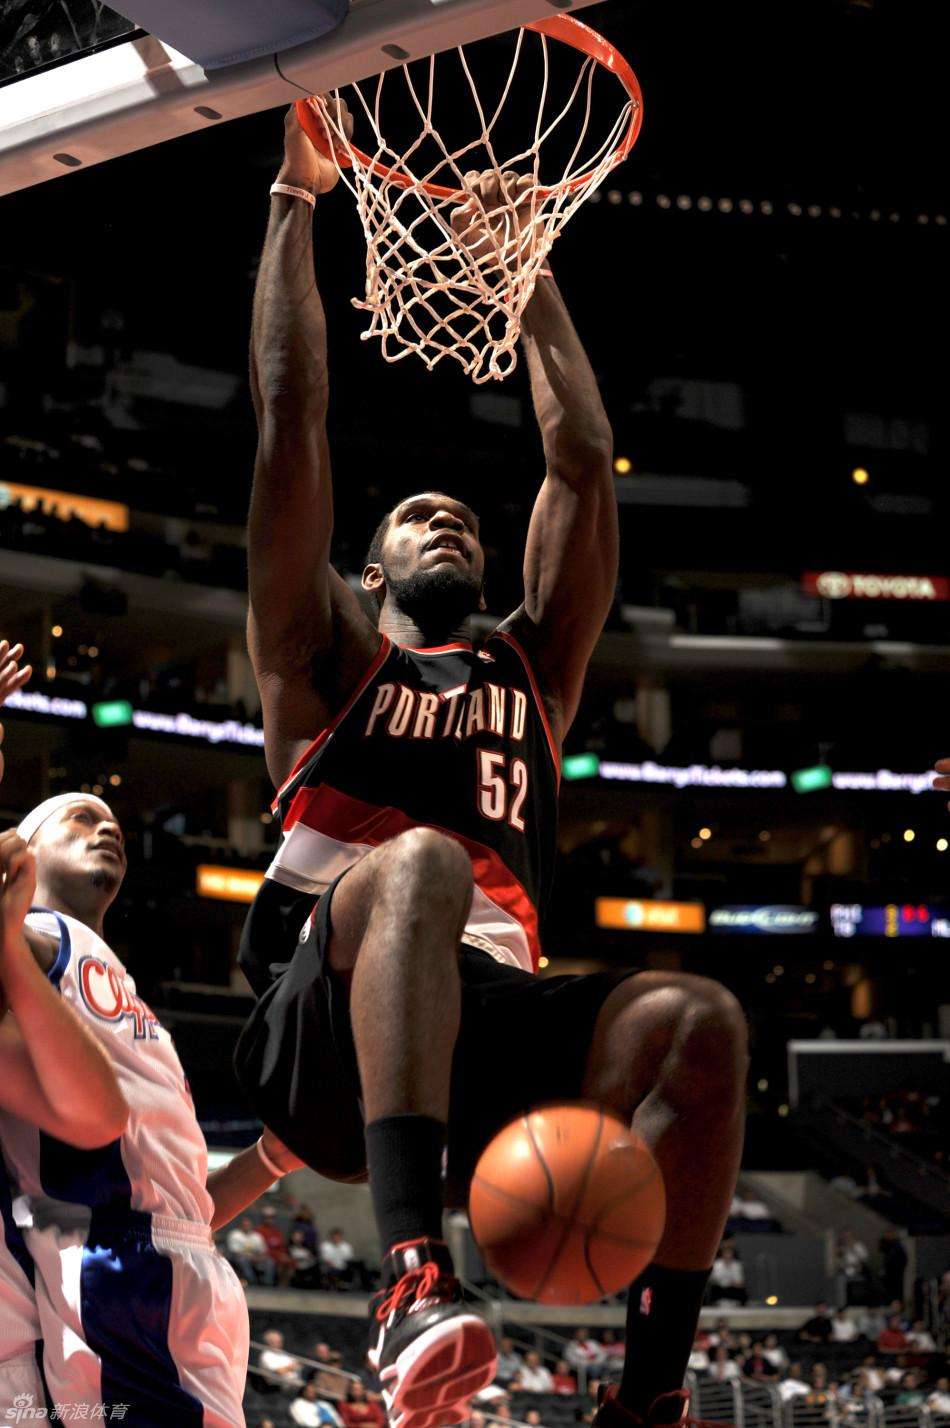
[308,638]
[570,566]
[571,557]
[52,1071]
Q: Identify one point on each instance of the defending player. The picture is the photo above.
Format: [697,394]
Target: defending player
[394,941]
[135,1305]
[53,1074]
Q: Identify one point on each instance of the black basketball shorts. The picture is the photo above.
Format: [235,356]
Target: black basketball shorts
[524,1041]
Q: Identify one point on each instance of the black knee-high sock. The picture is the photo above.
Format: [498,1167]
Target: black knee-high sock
[404,1159]
[662,1314]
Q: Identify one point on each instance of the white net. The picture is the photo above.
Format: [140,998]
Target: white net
[457,235]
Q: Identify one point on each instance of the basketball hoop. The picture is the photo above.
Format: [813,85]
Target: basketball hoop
[427,290]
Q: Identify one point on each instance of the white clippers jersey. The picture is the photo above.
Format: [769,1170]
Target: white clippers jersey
[19,1320]
[159,1165]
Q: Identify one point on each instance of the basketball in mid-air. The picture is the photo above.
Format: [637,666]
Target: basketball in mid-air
[567,1205]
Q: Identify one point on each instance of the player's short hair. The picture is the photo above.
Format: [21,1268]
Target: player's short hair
[374,553]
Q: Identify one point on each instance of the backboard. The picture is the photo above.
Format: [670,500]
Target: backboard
[99,86]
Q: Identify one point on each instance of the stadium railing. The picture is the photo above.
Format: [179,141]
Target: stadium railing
[739,1402]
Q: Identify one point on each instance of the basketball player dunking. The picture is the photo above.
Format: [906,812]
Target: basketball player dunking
[394,943]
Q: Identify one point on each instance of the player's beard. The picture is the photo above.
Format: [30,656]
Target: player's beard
[437,601]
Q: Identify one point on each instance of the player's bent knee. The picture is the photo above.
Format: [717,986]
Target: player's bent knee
[713,1035]
[432,858]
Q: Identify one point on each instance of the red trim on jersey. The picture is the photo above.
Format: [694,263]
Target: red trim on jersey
[437,649]
[385,645]
[552,745]
[350,820]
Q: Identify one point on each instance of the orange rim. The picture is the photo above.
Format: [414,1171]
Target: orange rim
[558,27]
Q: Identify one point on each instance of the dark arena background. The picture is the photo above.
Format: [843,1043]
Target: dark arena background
[762,289]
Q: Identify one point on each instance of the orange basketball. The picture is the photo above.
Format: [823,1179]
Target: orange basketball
[567,1205]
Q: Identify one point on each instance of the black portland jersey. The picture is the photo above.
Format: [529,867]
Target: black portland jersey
[453,738]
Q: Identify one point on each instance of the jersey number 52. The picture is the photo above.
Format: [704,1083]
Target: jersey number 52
[502,787]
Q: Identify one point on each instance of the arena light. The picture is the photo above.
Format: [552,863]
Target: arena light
[810,779]
[227,884]
[623,465]
[112,713]
[909,835]
[942,845]
[860,476]
[576,766]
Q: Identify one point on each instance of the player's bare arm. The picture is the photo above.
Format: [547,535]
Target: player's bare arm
[571,557]
[247,1175]
[52,1071]
[308,637]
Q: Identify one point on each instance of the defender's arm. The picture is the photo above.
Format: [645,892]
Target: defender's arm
[240,1182]
[53,1072]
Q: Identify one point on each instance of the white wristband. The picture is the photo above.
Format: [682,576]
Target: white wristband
[291,192]
[266,1161]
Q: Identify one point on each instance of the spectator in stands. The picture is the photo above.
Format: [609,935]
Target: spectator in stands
[939,1400]
[911,1392]
[247,1252]
[920,1339]
[564,1380]
[894,1373]
[533,1418]
[722,1334]
[276,1367]
[534,1376]
[584,1352]
[893,1265]
[817,1329]
[510,1362]
[775,1353]
[892,1339]
[699,1358]
[857,1395]
[304,1222]
[337,1258]
[305,1270]
[614,1349]
[843,1328]
[727,1280]
[722,1367]
[793,1384]
[360,1409]
[327,1377]
[853,1255]
[311,1411]
[873,1373]
[756,1365]
[273,1237]
[820,1393]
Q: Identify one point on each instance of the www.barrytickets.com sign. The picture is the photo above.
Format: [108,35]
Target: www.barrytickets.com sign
[845,585]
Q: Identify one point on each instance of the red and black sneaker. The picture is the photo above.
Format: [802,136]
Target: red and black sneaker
[670,1410]
[431,1351]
